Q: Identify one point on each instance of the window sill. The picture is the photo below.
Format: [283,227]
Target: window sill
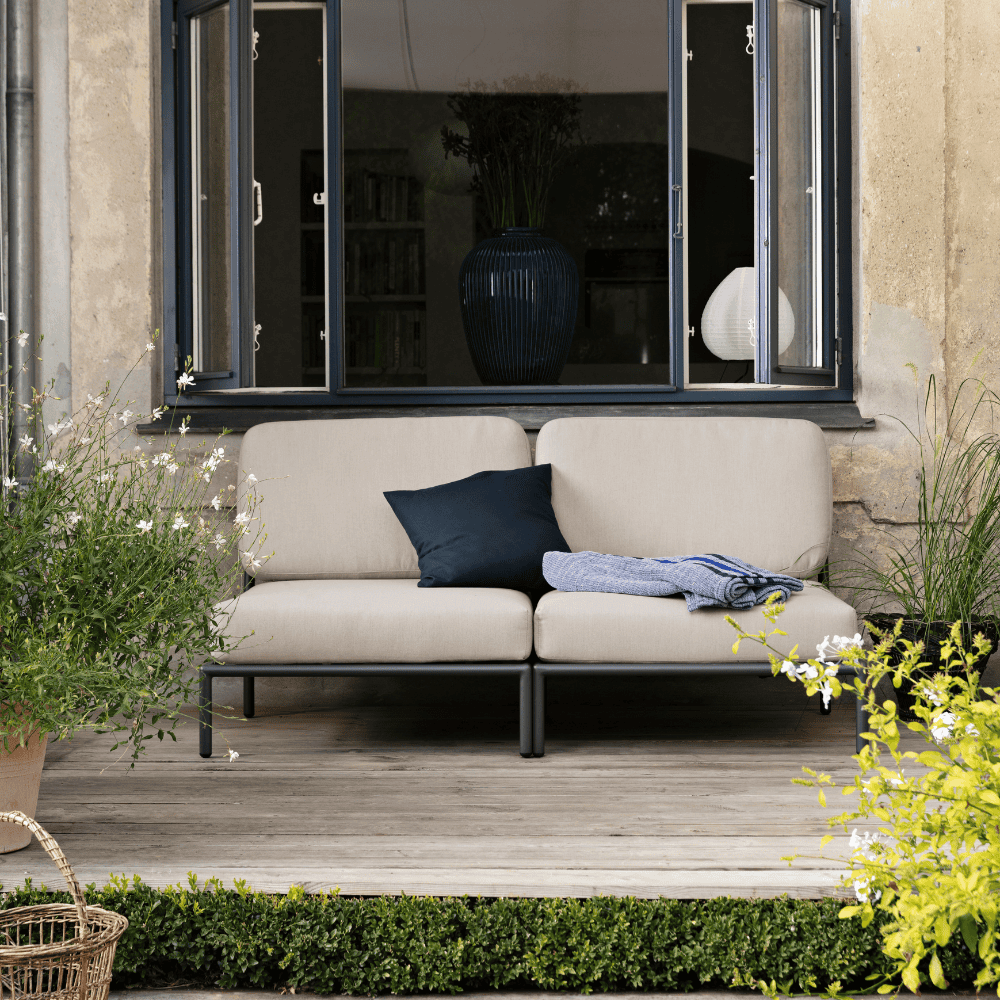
[829,416]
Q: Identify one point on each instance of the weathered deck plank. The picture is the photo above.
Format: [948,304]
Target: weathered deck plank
[694,801]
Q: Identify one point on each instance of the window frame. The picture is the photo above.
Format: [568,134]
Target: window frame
[838,303]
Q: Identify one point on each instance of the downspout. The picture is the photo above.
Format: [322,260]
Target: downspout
[21,218]
[4,327]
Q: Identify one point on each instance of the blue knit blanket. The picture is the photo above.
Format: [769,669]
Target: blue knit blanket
[706,581]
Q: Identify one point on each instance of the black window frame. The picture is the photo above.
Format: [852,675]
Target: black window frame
[838,304]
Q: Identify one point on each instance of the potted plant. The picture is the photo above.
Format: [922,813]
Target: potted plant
[109,571]
[950,571]
[519,289]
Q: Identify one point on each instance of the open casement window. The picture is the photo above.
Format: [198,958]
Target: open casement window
[759,241]
[322,216]
[252,214]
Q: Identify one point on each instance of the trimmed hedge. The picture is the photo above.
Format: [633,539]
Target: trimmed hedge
[337,944]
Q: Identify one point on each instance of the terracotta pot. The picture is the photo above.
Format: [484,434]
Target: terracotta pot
[20,777]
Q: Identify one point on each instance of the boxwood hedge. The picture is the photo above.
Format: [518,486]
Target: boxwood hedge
[206,935]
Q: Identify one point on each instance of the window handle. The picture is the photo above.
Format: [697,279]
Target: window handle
[319,198]
[259,194]
[679,230]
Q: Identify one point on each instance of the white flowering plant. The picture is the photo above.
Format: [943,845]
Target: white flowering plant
[111,561]
[933,865]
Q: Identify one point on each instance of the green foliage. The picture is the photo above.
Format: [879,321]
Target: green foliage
[952,569]
[515,143]
[108,576]
[202,934]
[932,871]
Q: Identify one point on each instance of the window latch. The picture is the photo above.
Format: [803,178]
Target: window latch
[259,195]
[319,198]
[679,229]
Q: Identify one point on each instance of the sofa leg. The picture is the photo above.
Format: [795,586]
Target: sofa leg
[248,707]
[861,722]
[538,735]
[205,717]
[527,676]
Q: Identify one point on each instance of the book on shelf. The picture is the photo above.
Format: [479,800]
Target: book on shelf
[377,196]
[383,263]
[385,339]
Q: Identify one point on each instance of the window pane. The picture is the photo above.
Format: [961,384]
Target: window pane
[719,234]
[289,170]
[518,74]
[210,218]
[800,257]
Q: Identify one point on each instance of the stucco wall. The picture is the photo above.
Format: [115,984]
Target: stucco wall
[926,192]
[112,147]
[927,198]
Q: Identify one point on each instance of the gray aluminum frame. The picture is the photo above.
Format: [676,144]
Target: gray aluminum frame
[248,671]
[543,669]
[531,675]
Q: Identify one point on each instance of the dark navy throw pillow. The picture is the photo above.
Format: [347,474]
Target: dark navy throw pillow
[490,530]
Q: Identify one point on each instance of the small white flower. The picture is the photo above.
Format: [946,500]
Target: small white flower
[242,518]
[94,401]
[144,526]
[862,891]
[26,442]
[218,452]
[251,560]
[9,484]
[827,692]
[22,339]
[179,523]
[788,667]
[220,540]
[216,502]
[172,467]
[232,755]
[251,479]
[944,727]
[184,380]
[73,517]
[86,440]
[106,477]
[50,466]
[125,416]
[150,347]
[157,413]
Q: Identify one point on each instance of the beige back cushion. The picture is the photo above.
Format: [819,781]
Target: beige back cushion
[321,485]
[759,489]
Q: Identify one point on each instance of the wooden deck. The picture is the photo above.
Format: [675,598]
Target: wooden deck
[676,787]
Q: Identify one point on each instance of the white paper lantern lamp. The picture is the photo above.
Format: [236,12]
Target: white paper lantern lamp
[727,324]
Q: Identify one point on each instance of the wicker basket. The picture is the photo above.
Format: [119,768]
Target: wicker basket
[60,951]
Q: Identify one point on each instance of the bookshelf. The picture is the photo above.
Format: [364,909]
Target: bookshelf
[385,310]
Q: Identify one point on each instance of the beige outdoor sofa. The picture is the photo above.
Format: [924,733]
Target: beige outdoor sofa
[339,597]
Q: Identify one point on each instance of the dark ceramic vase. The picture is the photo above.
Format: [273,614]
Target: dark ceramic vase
[933,635]
[519,293]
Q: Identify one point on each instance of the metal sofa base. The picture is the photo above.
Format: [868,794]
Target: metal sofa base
[543,670]
[248,671]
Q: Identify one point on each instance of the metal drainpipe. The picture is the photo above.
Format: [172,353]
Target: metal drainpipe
[21,216]
[4,327]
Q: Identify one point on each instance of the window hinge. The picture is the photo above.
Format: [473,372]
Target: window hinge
[836,22]
[177,359]
[173,35]
[837,344]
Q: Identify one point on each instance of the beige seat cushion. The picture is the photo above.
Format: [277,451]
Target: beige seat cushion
[756,488]
[619,628]
[375,621]
[321,484]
